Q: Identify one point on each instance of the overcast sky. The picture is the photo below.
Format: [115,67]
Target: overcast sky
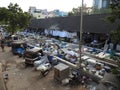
[62,5]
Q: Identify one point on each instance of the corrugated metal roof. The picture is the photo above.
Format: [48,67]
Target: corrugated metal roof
[91,23]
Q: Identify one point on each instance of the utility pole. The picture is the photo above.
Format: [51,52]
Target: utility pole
[81,30]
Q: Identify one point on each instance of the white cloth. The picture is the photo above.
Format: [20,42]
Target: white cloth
[71,53]
[63,34]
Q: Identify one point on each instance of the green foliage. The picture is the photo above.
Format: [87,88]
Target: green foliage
[3,14]
[115,8]
[77,11]
[114,16]
[114,71]
[14,17]
[117,69]
[115,34]
[101,11]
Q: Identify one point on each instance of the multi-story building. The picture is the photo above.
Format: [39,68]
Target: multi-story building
[39,13]
[101,3]
[32,10]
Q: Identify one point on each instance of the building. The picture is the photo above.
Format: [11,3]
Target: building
[32,10]
[101,3]
[39,13]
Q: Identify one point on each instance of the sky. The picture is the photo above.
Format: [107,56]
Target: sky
[62,5]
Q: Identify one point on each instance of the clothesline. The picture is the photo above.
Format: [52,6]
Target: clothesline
[60,33]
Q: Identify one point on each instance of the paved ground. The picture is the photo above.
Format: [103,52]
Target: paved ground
[21,78]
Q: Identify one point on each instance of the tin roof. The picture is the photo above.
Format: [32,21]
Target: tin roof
[95,23]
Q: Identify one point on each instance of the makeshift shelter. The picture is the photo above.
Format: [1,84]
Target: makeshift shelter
[94,23]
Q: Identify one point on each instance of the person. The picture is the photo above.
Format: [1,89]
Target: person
[2,44]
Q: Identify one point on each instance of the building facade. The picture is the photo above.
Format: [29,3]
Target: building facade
[101,3]
[43,13]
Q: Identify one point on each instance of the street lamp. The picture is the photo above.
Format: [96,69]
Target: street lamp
[81,30]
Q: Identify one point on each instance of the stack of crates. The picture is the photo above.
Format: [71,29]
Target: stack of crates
[61,72]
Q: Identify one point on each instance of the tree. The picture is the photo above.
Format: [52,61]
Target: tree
[115,35]
[3,15]
[114,16]
[101,11]
[77,11]
[14,17]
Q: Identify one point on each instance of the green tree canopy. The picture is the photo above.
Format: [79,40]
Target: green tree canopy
[101,10]
[14,18]
[114,16]
[77,11]
[3,14]
[115,35]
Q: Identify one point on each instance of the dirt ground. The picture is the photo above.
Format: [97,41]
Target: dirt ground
[21,78]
